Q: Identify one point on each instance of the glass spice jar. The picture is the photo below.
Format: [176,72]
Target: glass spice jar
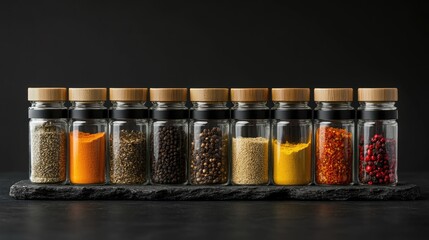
[47,134]
[169,135]
[209,131]
[291,136]
[250,136]
[128,133]
[334,132]
[378,136]
[88,135]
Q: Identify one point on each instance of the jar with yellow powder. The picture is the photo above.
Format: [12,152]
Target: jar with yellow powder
[291,136]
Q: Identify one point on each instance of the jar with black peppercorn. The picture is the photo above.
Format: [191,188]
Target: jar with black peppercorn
[48,134]
[128,129]
[292,130]
[169,135]
[250,136]
[334,132]
[378,136]
[209,130]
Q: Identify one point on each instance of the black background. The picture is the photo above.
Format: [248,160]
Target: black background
[214,44]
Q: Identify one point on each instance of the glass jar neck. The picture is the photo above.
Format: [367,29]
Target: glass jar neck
[250,105]
[98,104]
[56,104]
[377,105]
[294,105]
[209,105]
[127,105]
[169,105]
[334,106]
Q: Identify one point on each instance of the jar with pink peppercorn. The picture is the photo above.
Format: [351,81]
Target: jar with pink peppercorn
[378,136]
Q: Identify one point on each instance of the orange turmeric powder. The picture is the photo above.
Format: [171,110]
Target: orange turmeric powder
[87,157]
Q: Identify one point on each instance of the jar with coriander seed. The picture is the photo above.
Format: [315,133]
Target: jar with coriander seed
[209,136]
[47,134]
[334,126]
[378,136]
[250,136]
[88,135]
[128,133]
[168,135]
[292,136]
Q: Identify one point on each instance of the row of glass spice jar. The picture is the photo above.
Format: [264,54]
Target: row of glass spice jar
[96,140]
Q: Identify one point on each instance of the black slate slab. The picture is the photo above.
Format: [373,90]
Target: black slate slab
[27,190]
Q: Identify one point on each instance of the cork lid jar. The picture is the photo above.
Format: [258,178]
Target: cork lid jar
[377,94]
[334,103]
[249,95]
[209,94]
[249,103]
[377,99]
[47,103]
[209,103]
[209,97]
[128,97]
[291,103]
[88,103]
[47,94]
[168,94]
[333,94]
[128,103]
[87,94]
[169,103]
[128,94]
[290,94]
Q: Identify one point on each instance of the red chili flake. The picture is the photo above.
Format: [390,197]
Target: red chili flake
[334,156]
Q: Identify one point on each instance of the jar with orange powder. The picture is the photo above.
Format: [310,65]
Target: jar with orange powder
[88,134]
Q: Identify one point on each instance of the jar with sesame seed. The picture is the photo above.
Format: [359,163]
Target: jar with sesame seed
[250,136]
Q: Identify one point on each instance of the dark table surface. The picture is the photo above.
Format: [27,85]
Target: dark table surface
[24,219]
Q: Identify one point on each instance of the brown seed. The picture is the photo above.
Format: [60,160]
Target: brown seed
[48,153]
[128,157]
[209,156]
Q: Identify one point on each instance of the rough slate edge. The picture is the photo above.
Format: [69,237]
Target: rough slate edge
[25,190]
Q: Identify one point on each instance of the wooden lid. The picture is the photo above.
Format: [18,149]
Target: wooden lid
[168,94]
[87,94]
[249,94]
[128,94]
[209,94]
[333,94]
[290,94]
[47,94]
[378,94]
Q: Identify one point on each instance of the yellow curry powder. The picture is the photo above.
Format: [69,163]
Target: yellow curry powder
[87,157]
[292,163]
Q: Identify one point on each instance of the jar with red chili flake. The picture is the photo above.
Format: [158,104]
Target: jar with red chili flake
[378,136]
[334,132]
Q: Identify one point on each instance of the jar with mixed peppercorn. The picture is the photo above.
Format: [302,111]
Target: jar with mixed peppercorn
[378,136]
[209,131]
[334,130]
